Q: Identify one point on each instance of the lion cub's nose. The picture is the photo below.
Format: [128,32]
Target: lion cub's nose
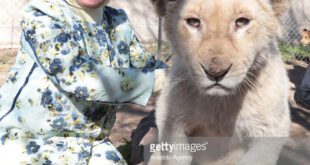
[216,70]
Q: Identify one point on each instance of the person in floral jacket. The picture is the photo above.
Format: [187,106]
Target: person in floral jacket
[79,59]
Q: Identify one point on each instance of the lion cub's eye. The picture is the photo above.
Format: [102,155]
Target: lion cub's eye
[193,22]
[241,22]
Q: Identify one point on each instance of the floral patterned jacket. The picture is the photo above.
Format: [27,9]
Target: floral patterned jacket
[59,102]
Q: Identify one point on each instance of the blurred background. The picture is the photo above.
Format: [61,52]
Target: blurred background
[146,24]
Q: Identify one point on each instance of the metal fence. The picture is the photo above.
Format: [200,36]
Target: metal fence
[293,23]
[296,19]
[10,15]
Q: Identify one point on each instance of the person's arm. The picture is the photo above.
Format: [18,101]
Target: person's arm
[59,51]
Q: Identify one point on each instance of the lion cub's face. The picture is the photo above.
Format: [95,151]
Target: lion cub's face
[305,37]
[220,41]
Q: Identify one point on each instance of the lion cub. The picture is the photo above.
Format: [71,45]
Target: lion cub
[227,80]
[305,37]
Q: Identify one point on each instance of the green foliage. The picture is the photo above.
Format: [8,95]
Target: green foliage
[291,53]
[165,53]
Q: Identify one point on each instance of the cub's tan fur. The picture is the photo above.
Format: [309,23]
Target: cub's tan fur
[305,37]
[249,101]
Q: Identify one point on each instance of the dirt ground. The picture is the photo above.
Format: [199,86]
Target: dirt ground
[129,115]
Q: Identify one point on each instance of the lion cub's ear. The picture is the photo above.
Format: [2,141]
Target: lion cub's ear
[280,6]
[304,31]
[160,6]
[305,36]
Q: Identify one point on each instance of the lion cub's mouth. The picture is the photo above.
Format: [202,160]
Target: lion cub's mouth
[216,87]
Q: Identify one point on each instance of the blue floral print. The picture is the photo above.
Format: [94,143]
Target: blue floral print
[56,66]
[111,155]
[20,119]
[65,51]
[56,26]
[112,54]
[47,162]
[32,148]
[77,63]
[78,27]
[12,78]
[100,36]
[58,107]
[83,155]
[63,37]
[61,146]
[123,47]
[81,92]
[74,116]
[38,14]
[47,98]
[59,124]
[3,139]
[29,37]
